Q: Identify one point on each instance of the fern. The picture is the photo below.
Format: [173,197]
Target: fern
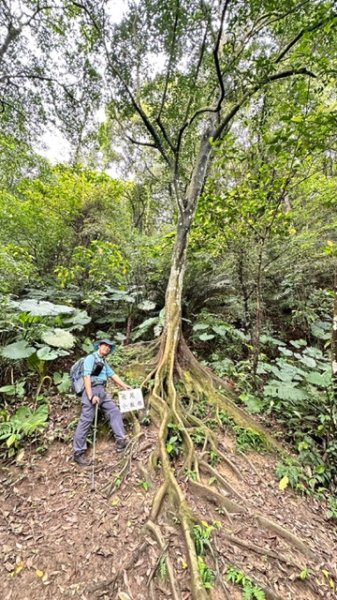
[25,422]
[163,568]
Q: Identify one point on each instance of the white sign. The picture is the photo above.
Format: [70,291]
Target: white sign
[131,400]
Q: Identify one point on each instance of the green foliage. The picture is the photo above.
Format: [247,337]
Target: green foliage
[16,267]
[202,535]
[198,436]
[59,338]
[92,266]
[200,408]
[213,458]
[250,590]
[248,440]
[292,469]
[62,382]
[308,473]
[253,403]
[41,308]
[145,485]
[24,423]
[17,351]
[212,327]
[207,575]
[36,323]
[16,389]
[190,474]
[152,324]
[304,574]
[299,392]
[331,513]
[174,442]
[162,568]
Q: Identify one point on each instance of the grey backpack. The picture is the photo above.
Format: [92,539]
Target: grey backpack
[76,374]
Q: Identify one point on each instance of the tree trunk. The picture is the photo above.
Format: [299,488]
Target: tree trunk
[334,341]
[187,208]
[256,334]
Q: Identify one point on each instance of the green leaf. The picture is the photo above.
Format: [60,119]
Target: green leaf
[291,393]
[79,319]
[147,305]
[59,338]
[319,333]
[148,323]
[40,308]
[46,353]
[308,361]
[254,405]
[298,343]
[200,326]
[17,389]
[206,336]
[17,350]
[285,351]
[318,379]
[62,381]
[220,330]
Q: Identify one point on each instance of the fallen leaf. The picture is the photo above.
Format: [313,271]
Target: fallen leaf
[283,483]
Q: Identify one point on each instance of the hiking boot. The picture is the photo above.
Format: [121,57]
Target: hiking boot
[81,460]
[121,444]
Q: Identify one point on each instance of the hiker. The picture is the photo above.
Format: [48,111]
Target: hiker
[94,392]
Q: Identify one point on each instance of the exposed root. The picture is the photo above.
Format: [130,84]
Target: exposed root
[292,539]
[211,495]
[228,462]
[155,530]
[228,487]
[261,551]
[125,469]
[110,584]
[168,407]
[270,594]
[251,466]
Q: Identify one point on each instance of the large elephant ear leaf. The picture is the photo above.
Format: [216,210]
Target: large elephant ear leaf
[46,353]
[41,308]
[17,350]
[59,338]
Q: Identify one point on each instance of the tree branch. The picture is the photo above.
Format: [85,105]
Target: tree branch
[12,34]
[186,123]
[270,78]
[33,76]
[170,61]
[216,55]
[146,121]
[294,41]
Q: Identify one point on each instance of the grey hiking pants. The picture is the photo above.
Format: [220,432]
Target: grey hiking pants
[111,412]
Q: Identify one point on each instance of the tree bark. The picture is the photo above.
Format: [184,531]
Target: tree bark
[334,341]
[187,207]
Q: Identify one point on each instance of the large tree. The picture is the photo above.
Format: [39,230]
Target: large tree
[179,74]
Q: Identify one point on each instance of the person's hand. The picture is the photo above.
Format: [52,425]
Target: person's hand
[125,386]
[95,400]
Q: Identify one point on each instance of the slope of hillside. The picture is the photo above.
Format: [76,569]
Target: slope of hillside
[59,539]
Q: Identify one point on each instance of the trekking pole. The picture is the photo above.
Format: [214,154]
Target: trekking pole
[94,450]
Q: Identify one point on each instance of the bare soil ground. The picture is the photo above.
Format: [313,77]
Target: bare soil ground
[61,540]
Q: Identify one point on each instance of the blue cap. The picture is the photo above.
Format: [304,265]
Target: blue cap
[107,342]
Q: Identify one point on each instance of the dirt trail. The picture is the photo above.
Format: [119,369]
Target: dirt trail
[60,540]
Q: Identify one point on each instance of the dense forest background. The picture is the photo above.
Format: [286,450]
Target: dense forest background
[85,255]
